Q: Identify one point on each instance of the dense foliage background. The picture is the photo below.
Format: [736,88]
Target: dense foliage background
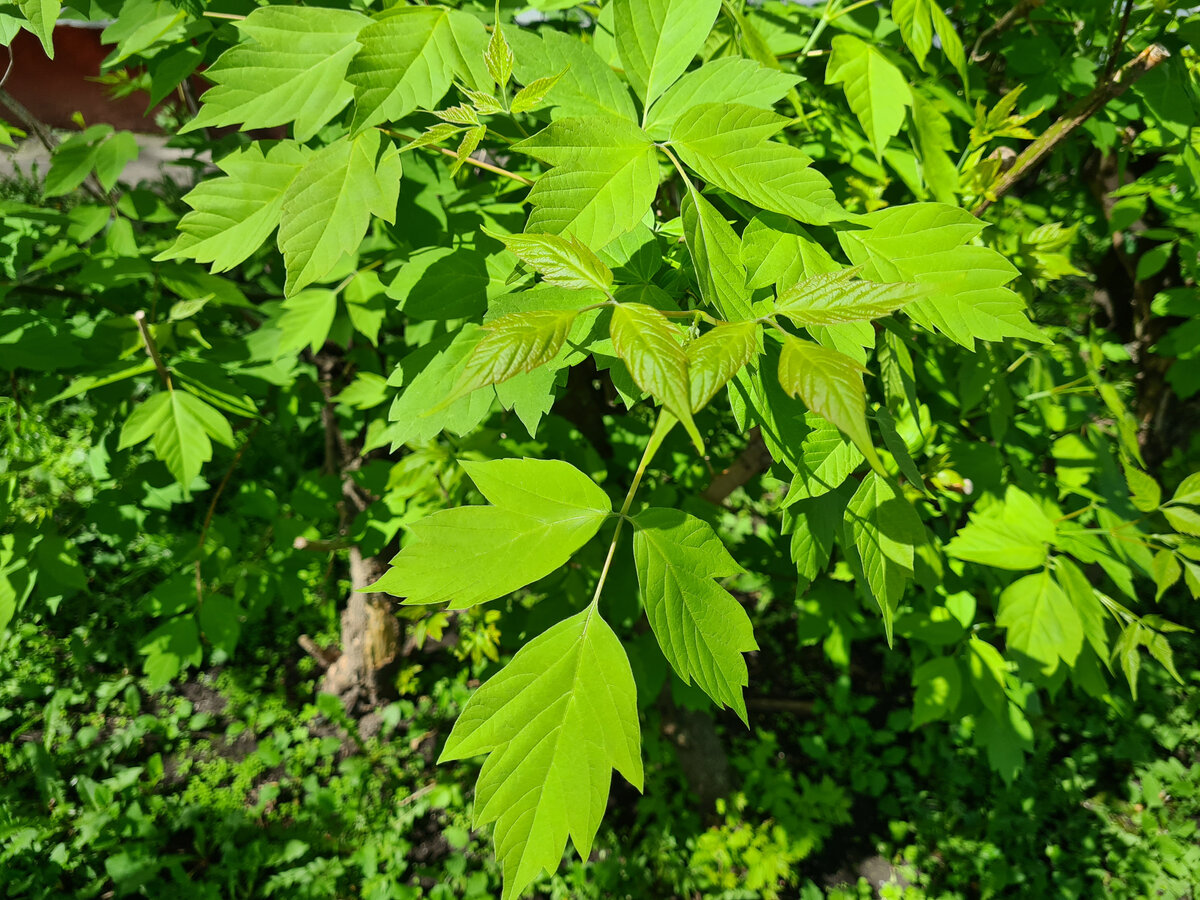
[212,440]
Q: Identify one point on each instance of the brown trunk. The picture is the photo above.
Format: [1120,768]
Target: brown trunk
[361,675]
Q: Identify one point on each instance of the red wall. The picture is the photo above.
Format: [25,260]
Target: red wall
[55,89]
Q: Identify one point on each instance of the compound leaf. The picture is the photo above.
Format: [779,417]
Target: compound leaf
[875,89]
[1042,622]
[832,299]
[512,344]
[561,261]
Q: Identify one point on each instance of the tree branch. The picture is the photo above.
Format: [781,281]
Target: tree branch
[752,461]
[152,348]
[1032,156]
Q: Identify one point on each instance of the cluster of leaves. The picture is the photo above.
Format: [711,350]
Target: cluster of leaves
[685,243]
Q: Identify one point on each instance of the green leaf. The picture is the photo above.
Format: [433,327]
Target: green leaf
[826,460]
[408,59]
[916,26]
[1014,534]
[180,425]
[498,57]
[817,522]
[1183,520]
[951,44]
[1092,614]
[716,356]
[587,86]
[713,245]
[939,688]
[830,384]
[775,250]
[513,344]
[648,344]
[728,80]
[726,143]
[702,629]
[927,243]
[1188,491]
[561,261]
[328,205]
[1166,570]
[987,669]
[1042,622]
[306,320]
[604,178]
[658,39]
[876,90]
[41,16]
[533,95]
[416,415]
[289,67]
[932,138]
[883,528]
[1147,495]
[555,722]
[232,215]
[98,149]
[542,512]
[831,299]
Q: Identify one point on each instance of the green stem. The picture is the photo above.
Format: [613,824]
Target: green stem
[825,19]
[851,8]
[662,428]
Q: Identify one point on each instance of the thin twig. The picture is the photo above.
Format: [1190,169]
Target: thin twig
[1105,91]
[1006,21]
[212,508]
[152,348]
[1118,42]
[471,161]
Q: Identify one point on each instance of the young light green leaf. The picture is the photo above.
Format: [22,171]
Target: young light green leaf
[833,298]
[726,143]
[830,384]
[951,44]
[658,39]
[180,425]
[565,262]
[927,243]
[817,522]
[702,629]
[883,529]
[648,344]
[513,344]
[289,67]
[434,135]
[1183,519]
[97,149]
[468,146]
[716,356]
[306,320]
[542,512]
[1092,615]
[585,85]
[729,80]
[498,57]
[328,205]
[232,215]
[604,178]
[533,95]
[555,722]
[41,16]
[713,245]
[876,90]
[408,59]
[1042,622]
[1015,534]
